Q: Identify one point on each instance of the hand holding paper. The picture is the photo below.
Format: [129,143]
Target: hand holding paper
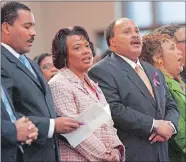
[66,125]
[92,117]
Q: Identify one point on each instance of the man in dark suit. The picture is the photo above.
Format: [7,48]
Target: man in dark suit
[178,33]
[14,131]
[26,85]
[143,113]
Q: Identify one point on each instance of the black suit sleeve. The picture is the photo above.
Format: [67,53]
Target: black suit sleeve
[125,118]
[42,124]
[8,132]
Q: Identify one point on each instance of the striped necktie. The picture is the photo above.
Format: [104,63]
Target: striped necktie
[7,106]
[9,111]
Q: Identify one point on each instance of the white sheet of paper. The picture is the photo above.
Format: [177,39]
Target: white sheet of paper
[92,117]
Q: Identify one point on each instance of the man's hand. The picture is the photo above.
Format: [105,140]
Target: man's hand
[66,125]
[26,130]
[164,129]
[156,138]
[114,155]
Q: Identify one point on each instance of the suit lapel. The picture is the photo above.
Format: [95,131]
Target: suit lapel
[74,79]
[40,76]
[134,77]
[80,87]
[149,72]
[13,59]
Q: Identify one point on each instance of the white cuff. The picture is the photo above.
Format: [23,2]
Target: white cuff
[152,126]
[51,128]
[174,132]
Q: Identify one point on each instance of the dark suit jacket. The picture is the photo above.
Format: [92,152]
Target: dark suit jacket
[31,97]
[133,108]
[8,135]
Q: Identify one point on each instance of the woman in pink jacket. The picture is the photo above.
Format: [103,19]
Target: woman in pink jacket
[73,92]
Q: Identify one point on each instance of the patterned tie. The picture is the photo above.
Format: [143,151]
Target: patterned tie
[144,78]
[24,60]
[7,106]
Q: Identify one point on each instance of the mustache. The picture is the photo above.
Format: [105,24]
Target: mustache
[31,39]
[136,40]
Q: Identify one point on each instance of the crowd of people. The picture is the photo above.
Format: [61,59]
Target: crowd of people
[143,79]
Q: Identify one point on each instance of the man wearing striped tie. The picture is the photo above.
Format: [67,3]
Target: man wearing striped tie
[14,132]
[28,88]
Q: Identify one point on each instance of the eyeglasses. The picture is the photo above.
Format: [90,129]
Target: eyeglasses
[182,41]
[47,66]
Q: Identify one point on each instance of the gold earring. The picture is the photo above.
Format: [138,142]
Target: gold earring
[160,62]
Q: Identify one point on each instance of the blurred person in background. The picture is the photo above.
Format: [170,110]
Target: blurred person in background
[45,62]
[178,33]
[160,51]
[73,92]
[95,52]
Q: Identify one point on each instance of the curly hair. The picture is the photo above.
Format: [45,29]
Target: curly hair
[152,45]
[59,44]
[168,29]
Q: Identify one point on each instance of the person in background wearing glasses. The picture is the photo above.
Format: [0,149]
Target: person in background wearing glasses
[176,32]
[45,62]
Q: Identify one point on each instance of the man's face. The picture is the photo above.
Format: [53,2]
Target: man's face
[181,42]
[21,32]
[127,40]
[47,67]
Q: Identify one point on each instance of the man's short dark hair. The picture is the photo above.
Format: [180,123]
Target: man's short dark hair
[9,11]
[168,29]
[40,58]
[109,32]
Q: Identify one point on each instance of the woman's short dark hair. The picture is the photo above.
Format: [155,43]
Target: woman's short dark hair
[59,44]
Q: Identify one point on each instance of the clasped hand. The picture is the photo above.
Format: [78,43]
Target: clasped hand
[26,131]
[163,133]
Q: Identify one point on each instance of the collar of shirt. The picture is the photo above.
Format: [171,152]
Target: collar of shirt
[11,50]
[130,62]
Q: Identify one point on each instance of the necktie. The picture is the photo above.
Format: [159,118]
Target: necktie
[7,106]
[24,60]
[144,78]
[9,111]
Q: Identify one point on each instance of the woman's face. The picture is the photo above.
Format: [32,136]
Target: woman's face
[80,57]
[172,58]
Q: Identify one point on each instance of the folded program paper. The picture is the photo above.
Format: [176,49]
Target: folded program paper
[92,117]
